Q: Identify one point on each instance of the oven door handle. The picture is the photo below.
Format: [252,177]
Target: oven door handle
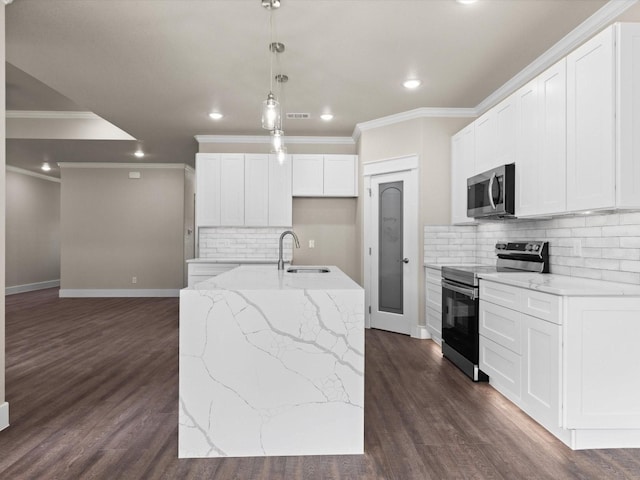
[467,292]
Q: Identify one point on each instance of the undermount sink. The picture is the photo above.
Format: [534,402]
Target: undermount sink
[308,270]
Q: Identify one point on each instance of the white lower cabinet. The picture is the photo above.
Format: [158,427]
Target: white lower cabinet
[201,271]
[433,302]
[569,362]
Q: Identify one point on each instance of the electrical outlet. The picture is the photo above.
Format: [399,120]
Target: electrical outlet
[312,244]
[134,279]
[577,247]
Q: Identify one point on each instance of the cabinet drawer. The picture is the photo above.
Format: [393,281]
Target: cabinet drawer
[433,275]
[501,325]
[536,304]
[504,368]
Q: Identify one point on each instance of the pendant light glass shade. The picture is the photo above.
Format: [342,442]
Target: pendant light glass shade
[281,154]
[270,112]
[277,139]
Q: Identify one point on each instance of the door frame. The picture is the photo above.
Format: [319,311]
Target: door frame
[410,164]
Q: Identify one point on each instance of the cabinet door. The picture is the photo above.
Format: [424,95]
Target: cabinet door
[528,174]
[340,176]
[505,132]
[485,133]
[232,190]
[256,190]
[434,324]
[590,124]
[207,189]
[552,159]
[308,175]
[541,347]
[462,167]
[280,200]
[504,368]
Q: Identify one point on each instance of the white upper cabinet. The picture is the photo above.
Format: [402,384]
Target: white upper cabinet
[232,189]
[207,189]
[591,124]
[541,144]
[462,167]
[280,200]
[325,175]
[256,189]
[495,136]
[252,190]
[485,133]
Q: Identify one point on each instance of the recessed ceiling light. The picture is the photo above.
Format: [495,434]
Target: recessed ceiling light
[466,2]
[46,167]
[411,84]
[326,117]
[216,115]
[139,153]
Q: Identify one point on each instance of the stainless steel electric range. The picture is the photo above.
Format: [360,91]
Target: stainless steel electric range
[460,299]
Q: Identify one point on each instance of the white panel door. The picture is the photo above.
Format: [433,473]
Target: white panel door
[591,124]
[340,176]
[256,190]
[207,189]
[528,173]
[280,200]
[541,356]
[462,167]
[232,190]
[552,164]
[485,142]
[308,175]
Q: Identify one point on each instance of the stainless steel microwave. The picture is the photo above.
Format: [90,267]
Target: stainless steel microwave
[492,193]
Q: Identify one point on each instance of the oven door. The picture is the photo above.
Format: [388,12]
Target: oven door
[460,319]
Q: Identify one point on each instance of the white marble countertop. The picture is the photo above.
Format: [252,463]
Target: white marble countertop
[564,285]
[240,261]
[268,277]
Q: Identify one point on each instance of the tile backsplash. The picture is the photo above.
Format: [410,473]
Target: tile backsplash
[604,247]
[241,243]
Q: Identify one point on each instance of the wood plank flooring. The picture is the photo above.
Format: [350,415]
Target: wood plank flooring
[93,389]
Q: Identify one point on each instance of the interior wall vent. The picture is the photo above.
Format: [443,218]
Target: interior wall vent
[298,116]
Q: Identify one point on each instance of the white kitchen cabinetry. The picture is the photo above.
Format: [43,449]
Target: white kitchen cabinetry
[433,303]
[462,167]
[495,136]
[541,144]
[603,111]
[242,190]
[548,354]
[325,176]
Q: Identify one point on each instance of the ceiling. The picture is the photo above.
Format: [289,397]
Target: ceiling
[155,69]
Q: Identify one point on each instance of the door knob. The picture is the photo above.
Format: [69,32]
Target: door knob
[405,260]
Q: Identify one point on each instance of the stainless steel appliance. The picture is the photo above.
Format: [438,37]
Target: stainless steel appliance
[492,193]
[460,299]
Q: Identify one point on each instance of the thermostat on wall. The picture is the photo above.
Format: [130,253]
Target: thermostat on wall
[135,175]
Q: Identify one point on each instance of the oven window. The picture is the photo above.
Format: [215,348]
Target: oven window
[460,323]
[478,193]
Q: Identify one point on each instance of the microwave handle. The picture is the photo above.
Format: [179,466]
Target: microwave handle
[493,179]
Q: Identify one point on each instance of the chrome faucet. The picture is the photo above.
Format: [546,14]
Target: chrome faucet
[295,238]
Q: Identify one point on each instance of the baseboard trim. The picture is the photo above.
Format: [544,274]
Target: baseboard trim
[31,287]
[420,331]
[139,292]
[4,415]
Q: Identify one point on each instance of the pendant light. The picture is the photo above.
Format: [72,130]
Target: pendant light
[271,106]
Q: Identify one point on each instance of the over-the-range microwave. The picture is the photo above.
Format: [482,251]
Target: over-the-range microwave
[492,193]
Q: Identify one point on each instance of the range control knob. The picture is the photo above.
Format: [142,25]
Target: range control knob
[528,247]
[536,248]
[501,246]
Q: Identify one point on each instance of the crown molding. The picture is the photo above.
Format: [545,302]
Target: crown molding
[583,32]
[267,139]
[423,112]
[22,171]
[137,166]
[52,115]
[7,2]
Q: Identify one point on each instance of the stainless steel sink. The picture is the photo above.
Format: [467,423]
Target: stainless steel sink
[308,270]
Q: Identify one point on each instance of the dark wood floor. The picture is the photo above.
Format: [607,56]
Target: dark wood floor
[93,388]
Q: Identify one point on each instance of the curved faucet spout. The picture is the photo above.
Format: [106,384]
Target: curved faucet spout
[295,239]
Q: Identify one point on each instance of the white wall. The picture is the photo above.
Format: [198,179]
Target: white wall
[3,406]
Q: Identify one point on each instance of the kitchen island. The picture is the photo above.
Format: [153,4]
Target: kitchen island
[271,363]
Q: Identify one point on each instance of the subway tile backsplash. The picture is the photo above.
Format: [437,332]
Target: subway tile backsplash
[241,243]
[604,247]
